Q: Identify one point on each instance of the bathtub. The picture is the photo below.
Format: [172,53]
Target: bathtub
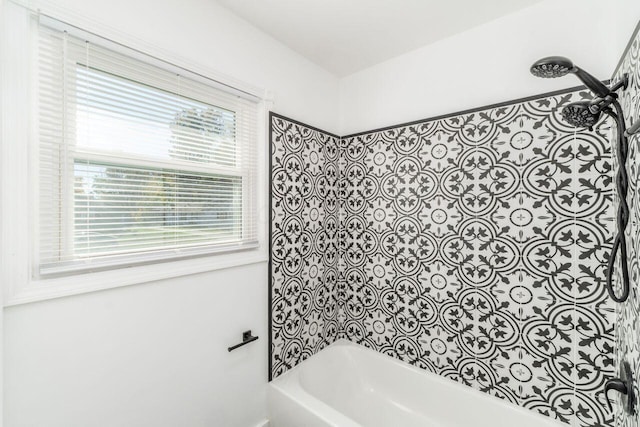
[347,385]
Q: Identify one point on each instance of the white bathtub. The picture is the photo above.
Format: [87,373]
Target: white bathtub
[347,385]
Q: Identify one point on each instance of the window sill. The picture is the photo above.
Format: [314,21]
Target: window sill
[44,289]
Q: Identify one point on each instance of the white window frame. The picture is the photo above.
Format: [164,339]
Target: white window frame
[18,180]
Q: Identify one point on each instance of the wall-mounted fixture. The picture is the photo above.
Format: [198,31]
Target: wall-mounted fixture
[586,114]
[623,385]
[246,339]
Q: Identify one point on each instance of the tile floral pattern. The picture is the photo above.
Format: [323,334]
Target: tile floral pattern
[628,313]
[474,246]
[304,253]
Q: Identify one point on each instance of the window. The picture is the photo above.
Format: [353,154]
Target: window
[137,162]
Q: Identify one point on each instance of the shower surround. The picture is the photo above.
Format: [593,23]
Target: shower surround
[472,245]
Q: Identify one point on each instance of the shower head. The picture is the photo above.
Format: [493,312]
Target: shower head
[552,67]
[558,66]
[578,114]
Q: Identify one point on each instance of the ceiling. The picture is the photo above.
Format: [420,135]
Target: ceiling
[345,36]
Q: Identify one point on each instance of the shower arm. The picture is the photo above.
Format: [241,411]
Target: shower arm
[622,216]
[623,83]
[600,103]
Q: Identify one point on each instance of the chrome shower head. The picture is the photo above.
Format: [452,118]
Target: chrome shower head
[558,66]
[578,114]
[552,67]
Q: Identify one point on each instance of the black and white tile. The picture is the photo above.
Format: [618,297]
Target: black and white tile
[304,231]
[628,314]
[472,246]
[476,248]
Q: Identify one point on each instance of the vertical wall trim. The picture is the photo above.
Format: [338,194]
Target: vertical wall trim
[2,106]
[270,263]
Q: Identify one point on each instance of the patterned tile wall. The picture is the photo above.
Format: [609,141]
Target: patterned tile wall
[628,314]
[304,253]
[475,247]
[472,246]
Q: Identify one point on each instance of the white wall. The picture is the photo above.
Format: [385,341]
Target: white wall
[148,355]
[156,354]
[487,64]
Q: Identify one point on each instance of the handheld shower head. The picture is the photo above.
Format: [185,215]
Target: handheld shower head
[558,66]
[552,67]
[578,114]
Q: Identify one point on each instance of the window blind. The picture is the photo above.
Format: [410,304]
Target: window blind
[136,162]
